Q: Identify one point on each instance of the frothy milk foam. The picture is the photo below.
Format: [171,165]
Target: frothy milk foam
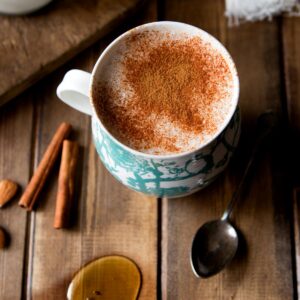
[131,79]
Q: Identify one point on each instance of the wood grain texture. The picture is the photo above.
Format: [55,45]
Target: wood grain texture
[291,61]
[34,45]
[296,215]
[291,50]
[16,129]
[109,218]
[263,267]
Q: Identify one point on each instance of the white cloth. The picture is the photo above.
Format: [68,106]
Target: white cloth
[252,10]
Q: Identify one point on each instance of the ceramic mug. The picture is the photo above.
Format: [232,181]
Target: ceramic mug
[20,7]
[169,176]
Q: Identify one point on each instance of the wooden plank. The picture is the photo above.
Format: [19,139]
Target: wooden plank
[296,216]
[16,129]
[35,45]
[291,48]
[109,219]
[263,267]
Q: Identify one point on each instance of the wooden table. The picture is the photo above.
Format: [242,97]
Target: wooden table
[157,234]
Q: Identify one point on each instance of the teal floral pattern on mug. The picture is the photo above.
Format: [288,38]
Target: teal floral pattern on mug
[168,177]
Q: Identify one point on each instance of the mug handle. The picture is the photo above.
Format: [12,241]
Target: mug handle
[74,90]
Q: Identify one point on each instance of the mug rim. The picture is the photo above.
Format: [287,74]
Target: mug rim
[220,47]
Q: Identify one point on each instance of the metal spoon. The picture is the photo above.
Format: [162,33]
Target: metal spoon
[216,242]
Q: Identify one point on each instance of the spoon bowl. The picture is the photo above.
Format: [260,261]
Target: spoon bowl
[214,246]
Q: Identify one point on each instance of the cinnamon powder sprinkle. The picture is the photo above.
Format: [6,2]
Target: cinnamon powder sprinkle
[172,94]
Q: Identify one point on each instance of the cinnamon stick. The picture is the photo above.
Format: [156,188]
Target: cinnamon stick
[66,180]
[37,182]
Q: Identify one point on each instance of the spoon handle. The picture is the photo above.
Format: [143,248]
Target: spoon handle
[266,122]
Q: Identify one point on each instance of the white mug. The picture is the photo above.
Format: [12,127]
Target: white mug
[19,7]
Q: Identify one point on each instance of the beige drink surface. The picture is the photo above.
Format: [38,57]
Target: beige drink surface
[164,93]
